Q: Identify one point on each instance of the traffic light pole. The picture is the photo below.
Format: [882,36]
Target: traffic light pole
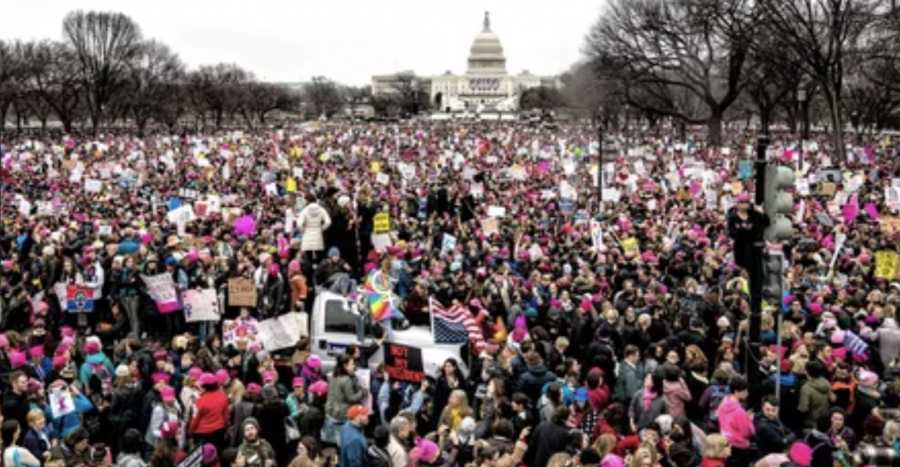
[599,165]
[756,270]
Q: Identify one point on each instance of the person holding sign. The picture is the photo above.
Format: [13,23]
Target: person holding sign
[344,391]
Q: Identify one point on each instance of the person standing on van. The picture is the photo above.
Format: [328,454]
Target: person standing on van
[344,390]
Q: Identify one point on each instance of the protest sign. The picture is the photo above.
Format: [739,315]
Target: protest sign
[162,290]
[890,225]
[200,305]
[886,263]
[194,459]
[490,226]
[365,380]
[93,186]
[383,179]
[241,292]
[448,245]
[280,333]
[827,189]
[630,245]
[596,235]
[381,241]
[403,363]
[239,333]
[382,223]
[79,299]
[61,403]
[496,211]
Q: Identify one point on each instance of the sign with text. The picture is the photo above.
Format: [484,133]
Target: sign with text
[403,363]
[241,292]
[382,223]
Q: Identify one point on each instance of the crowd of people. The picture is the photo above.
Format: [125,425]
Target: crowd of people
[615,333]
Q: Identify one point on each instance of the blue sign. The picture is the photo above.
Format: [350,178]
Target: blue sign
[567,205]
[745,169]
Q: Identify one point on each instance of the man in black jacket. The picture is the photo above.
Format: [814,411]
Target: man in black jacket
[15,401]
[549,438]
[771,435]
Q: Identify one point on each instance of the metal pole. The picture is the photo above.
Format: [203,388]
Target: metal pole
[778,363]
[756,268]
[599,165]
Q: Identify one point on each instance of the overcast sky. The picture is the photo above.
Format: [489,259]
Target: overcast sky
[346,40]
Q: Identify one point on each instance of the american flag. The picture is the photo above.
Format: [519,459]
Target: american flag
[455,325]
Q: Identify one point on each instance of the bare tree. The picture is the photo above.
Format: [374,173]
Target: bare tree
[149,82]
[323,96]
[678,58]
[264,98]
[10,74]
[822,34]
[216,89]
[106,45]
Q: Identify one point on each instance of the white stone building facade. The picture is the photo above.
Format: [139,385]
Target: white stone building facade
[486,85]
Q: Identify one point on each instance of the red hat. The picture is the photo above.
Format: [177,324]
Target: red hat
[357,411]
[169,429]
[786,366]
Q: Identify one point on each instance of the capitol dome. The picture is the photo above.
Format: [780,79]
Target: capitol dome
[486,55]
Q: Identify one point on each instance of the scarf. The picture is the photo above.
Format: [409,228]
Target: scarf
[648,398]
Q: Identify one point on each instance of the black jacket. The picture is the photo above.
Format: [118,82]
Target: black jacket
[16,407]
[549,438]
[772,436]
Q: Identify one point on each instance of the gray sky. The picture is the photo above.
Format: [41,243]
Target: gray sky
[346,40]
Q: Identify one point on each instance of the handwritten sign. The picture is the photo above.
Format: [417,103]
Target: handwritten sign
[403,363]
[890,225]
[490,226]
[382,223]
[241,292]
[281,332]
[61,403]
[162,290]
[886,263]
[200,305]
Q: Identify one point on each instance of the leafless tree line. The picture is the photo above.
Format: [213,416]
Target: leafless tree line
[104,71]
[713,61]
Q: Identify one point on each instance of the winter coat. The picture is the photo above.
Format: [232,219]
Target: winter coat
[676,394]
[533,380]
[734,423]
[643,417]
[630,380]
[71,421]
[125,408]
[343,392]
[888,337]
[313,222]
[814,403]
[772,436]
[548,439]
[210,413]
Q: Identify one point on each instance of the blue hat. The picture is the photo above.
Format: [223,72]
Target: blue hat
[581,395]
[171,261]
[334,253]
[531,312]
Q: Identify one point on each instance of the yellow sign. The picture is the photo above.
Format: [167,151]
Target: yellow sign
[376,167]
[382,223]
[630,245]
[886,263]
[291,185]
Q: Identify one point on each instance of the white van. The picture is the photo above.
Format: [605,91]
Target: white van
[333,328]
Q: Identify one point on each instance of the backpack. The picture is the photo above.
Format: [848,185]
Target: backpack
[718,395]
[100,383]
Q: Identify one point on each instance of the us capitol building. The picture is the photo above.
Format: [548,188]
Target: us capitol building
[486,86]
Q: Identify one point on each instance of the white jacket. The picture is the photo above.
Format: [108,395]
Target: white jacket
[313,222]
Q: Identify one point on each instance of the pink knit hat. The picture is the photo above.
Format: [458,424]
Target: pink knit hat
[801,454]
[222,376]
[18,360]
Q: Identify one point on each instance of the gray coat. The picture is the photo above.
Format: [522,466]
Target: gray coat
[343,392]
[641,417]
[630,380]
[888,336]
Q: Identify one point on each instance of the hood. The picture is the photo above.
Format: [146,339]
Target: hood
[538,370]
[96,358]
[820,385]
[730,407]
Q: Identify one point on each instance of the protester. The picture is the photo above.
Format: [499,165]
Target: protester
[630,317]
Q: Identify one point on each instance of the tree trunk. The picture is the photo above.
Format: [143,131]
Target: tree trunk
[837,122]
[714,127]
[765,118]
[67,124]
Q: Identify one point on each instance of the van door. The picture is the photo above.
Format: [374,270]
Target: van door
[337,331]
